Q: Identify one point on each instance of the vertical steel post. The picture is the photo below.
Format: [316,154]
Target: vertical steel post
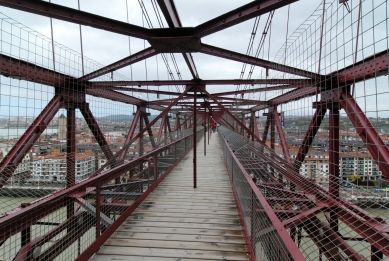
[205,133]
[70,156]
[376,255]
[194,136]
[155,167]
[98,209]
[141,145]
[272,133]
[209,127]
[334,160]
[25,236]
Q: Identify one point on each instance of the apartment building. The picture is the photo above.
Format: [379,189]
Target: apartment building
[52,168]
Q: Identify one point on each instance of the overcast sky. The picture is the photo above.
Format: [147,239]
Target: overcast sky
[105,47]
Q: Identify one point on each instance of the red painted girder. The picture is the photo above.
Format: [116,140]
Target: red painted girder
[330,241]
[371,67]
[130,134]
[11,161]
[111,84]
[294,95]
[227,54]
[138,90]
[149,130]
[266,89]
[71,225]
[161,126]
[139,56]
[79,17]
[266,128]
[95,129]
[254,119]
[239,15]
[281,134]
[169,10]
[229,113]
[27,71]
[309,136]
[115,96]
[22,70]
[367,132]
[184,123]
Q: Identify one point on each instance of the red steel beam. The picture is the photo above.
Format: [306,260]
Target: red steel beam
[184,123]
[78,17]
[169,10]
[234,56]
[266,128]
[70,155]
[10,162]
[111,84]
[161,126]
[22,70]
[309,136]
[371,67]
[74,231]
[239,15]
[367,132]
[130,134]
[95,129]
[266,89]
[281,134]
[149,130]
[19,69]
[255,124]
[134,58]
[229,113]
[115,96]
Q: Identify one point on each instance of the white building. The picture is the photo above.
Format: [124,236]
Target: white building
[52,168]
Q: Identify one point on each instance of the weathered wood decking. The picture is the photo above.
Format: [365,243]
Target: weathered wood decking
[177,222]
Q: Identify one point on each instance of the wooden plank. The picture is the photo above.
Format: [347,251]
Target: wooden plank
[99,257]
[185,215]
[179,237]
[140,223]
[194,211]
[191,203]
[154,205]
[214,220]
[177,253]
[191,199]
[201,191]
[183,231]
[166,244]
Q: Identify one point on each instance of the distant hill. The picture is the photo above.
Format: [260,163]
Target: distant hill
[122,117]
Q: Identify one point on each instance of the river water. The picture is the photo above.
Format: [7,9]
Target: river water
[15,133]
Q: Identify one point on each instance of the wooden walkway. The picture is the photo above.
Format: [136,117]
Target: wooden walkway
[177,222]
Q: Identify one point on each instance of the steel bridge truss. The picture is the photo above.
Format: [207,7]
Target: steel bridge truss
[286,216]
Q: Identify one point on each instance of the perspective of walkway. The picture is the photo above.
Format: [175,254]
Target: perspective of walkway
[178,222]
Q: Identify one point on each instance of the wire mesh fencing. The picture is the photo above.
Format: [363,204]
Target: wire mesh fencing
[287,213]
[63,224]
